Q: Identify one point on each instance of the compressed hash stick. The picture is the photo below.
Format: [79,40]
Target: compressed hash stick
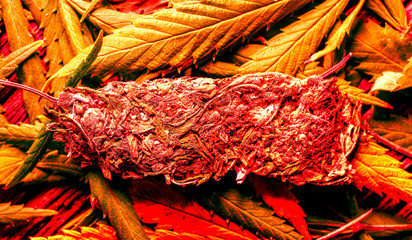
[193,129]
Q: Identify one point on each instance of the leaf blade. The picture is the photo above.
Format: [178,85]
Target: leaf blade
[338,36]
[389,52]
[291,48]
[17,213]
[179,214]
[36,150]
[396,129]
[31,73]
[148,45]
[9,63]
[104,17]
[381,173]
[242,210]
[116,204]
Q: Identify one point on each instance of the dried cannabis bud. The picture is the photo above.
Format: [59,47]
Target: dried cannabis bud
[193,129]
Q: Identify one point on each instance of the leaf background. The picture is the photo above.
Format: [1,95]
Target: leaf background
[233,36]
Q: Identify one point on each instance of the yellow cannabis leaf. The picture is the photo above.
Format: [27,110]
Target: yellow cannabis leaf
[381,173]
[100,232]
[31,72]
[335,41]
[105,17]
[186,33]
[220,69]
[393,11]
[9,63]
[16,213]
[288,50]
[360,95]
[379,49]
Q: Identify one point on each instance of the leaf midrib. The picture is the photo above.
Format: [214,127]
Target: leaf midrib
[195,30]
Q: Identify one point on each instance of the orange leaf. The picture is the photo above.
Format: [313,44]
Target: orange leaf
[381,173]
[278,196]
[157,203]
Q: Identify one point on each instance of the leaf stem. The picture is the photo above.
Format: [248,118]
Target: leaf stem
[346,226]
[30,89]
[385,227]
[390,144]
[337,66]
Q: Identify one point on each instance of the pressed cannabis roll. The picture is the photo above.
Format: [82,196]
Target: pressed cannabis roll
[193,129]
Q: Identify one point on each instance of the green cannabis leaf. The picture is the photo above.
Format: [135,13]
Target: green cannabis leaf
[242,210]
[287,51]
[80,72]
[34,154]
[180,212]
[116,204]
[168,38]
[72,25]
[14,213]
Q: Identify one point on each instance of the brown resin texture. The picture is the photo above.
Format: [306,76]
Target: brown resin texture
[193,129]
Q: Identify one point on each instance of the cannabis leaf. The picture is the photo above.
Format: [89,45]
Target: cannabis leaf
[9,63]
[178,213]
[31,72]
[379,49]
[242,210]
[397,129]
[288,50]
[22,135]
[392,11]
[116,204]
[13,213]
[72,25]
[245,53]
[59,50]
[220,69]
[381,173]
[335,41]
[405,81]
[360,95]
[187,32]
[105,17]
[100,232]
[277,196]
[10,159]
[33,156]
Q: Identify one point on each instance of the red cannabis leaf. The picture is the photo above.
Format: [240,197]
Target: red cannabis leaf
[278,196]
[157,203]
[139,6]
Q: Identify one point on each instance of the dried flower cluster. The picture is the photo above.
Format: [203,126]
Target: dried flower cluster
[193,129]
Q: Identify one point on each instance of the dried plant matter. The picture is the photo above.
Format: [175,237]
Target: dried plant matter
[193,129]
